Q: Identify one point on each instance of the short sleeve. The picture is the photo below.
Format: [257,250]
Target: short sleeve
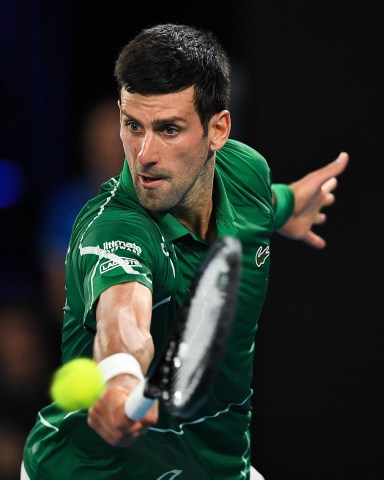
[123,250]
[284,204]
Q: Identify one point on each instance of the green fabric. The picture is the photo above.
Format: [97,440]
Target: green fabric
[285,203]
[115,240]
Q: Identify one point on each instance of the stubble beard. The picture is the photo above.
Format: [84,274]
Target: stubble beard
[177,198]
[155,201]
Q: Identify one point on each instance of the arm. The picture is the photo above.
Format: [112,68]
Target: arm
[123,317]
[311,194]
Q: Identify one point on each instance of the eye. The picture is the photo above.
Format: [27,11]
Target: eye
[170,130]
[134,127]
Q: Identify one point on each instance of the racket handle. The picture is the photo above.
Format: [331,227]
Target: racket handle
[137,404]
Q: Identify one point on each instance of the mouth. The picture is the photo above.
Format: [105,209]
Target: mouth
[150,182]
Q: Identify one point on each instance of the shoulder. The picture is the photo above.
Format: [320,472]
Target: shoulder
[115,244]
[105,220]
[236,153]
[126,225]
[245,172]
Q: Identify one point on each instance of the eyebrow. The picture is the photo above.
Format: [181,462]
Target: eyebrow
[157,122]
[162,121]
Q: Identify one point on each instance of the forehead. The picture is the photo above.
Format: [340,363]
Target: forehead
[178,104]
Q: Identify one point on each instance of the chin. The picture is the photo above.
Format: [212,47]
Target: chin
[154,205]
[159,202]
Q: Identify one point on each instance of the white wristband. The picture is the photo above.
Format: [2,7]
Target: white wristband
[119,363]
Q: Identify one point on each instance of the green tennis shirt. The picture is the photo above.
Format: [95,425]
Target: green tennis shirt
[115,240]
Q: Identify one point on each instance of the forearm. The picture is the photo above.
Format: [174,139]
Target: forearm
[123,324]
[123,348]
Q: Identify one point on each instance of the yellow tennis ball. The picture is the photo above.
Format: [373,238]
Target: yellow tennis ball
[77,384]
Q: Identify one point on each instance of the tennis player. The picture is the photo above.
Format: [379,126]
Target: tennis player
[134,251]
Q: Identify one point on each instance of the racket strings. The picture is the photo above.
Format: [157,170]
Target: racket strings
[200,332]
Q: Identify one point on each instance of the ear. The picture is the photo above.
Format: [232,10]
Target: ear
[218,130]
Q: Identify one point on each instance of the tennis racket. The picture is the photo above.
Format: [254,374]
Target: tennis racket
[189,364]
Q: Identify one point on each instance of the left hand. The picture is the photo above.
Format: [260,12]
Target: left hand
[312,193]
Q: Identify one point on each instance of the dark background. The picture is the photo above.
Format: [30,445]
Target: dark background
[308,80]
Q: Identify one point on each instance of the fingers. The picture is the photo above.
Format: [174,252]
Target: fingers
[328,200]
[119,433]
[314,240]
[329,172]
[339,165]
[329,185]
[319,219]
[343,159]
[327,188]
[107,417]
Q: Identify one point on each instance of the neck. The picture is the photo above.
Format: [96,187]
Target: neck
[201,223]
[196,212]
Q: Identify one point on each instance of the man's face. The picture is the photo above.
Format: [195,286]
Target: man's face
[166,151]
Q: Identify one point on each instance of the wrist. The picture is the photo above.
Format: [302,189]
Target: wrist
[118,364]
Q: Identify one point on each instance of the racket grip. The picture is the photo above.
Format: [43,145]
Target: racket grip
[137,404]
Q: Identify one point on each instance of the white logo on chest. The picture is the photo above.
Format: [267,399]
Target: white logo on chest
[261,255]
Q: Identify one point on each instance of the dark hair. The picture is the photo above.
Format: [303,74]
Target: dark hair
[168,58]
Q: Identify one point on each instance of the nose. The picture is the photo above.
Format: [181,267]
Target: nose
[149,152]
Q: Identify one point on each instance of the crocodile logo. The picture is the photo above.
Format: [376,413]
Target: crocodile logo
[261,255]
